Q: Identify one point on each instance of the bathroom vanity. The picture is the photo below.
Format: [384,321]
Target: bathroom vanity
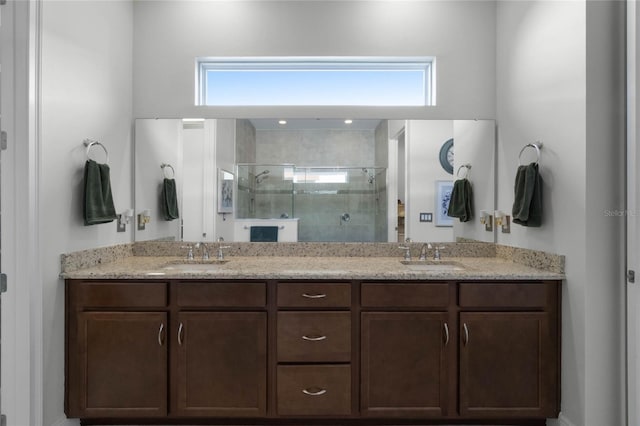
[363,341]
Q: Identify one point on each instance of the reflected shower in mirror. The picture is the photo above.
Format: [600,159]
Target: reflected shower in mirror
[313,179]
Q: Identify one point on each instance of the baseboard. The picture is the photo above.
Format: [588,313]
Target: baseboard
[66,422]
[562,421]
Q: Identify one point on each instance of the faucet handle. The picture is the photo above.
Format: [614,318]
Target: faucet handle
[407,252]
[221,253]
[190,252]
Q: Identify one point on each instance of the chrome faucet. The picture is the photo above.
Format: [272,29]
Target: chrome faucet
[436,251]
[189,253]
[220,248]
[205,250]
[423,251]
[220,252]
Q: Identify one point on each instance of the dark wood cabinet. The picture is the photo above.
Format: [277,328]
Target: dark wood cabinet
[404,364]
[121,368]
[256,351]
[314,349]
[508,365]
[221,364]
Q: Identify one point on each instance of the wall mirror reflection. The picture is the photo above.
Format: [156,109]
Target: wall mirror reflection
[370,180]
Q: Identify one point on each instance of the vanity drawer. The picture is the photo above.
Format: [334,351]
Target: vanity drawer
[314,336]
[314,295]
[106,294]
[502,295]
[314,390]
[405,295]
[221,294]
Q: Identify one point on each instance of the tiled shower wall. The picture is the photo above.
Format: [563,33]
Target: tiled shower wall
[320,207]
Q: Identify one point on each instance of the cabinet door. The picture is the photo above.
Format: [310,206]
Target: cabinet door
[508,365]
[404,364]
[122,369]
[222,364]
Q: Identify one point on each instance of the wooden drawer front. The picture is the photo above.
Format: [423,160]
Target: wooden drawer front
[409,295]
[217,294]
[122,294]
[314,336]
[314,390]
[502,295]
[314,295]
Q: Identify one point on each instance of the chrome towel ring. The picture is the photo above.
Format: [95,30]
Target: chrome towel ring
[89,143]
[468,169]
[536,146]
[164,167]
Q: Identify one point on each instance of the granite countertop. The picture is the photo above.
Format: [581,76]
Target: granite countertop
[343,268]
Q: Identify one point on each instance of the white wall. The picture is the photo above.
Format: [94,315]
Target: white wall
[170,35]
[632,355]
[475,144]
[422,144]
[225,143]
[557,67]
[157,142]
[86,93]
[605,145]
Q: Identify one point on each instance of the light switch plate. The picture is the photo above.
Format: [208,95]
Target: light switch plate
[120,225]
[426,217]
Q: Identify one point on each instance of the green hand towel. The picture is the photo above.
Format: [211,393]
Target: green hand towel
[461,203]
[98,201]
[169,200]
[527,204]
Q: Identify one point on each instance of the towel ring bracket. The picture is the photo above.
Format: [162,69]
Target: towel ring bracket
[536,145]
[89,143]
[164,166]
[467,167]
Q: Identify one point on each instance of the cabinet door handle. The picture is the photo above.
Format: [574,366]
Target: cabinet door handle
[466,334]
[314,338]
[180,328]
[314,392]
[314,296]
[446,334]
[161,335]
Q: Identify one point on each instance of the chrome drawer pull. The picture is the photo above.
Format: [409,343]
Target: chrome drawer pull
[446,334]
[466,334]
[314,393]
[314,296]
[314,338]
[161,335]
[180,334]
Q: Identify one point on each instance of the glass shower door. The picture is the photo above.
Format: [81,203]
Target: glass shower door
[339,204]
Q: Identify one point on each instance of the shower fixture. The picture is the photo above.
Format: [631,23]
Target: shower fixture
[262,176]
[370,176]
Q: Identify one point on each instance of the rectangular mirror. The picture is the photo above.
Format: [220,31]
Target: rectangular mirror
[312,179]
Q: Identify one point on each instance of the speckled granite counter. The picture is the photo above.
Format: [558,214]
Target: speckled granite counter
[342,268]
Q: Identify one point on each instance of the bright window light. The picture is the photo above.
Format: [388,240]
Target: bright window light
[315,175]
[315,82]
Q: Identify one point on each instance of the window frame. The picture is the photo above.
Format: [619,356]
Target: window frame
[424,64]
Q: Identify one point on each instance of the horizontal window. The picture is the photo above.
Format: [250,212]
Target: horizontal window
[315,82]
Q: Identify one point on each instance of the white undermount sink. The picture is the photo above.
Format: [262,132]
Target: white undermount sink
[194,266]
[432,265]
